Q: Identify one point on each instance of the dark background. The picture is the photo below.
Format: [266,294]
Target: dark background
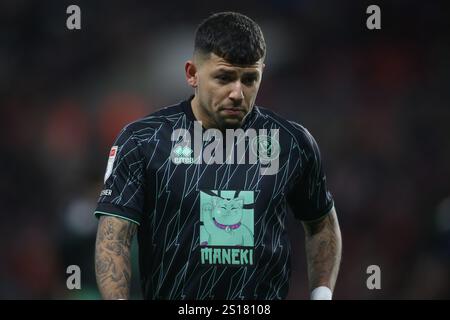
[377,101]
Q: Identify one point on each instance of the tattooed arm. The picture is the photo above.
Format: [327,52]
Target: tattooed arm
[323,250]
[112,257]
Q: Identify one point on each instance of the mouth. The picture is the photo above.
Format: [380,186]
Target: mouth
[233,111]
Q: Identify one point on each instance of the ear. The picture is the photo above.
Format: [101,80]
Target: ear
[191,73]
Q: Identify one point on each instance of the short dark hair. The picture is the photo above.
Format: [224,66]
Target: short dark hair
[231,36]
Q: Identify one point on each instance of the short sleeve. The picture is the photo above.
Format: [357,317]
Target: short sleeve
[123,194]
[309,197]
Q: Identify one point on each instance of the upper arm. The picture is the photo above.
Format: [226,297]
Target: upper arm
[124,189]
[308,196]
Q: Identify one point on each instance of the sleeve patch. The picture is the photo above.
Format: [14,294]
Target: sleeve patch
[109,167]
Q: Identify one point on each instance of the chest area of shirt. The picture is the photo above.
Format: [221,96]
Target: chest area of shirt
[186,161]
[251,151]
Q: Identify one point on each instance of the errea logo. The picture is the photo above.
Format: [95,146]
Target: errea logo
[182,154]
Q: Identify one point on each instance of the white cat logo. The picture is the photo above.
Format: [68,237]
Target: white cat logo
[109,167]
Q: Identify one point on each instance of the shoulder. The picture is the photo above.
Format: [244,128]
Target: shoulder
[302,137]
[147,127]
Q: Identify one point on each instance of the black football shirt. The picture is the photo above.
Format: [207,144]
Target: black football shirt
[212,209]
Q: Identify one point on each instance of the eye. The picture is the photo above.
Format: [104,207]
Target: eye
[249,81]
[222,78]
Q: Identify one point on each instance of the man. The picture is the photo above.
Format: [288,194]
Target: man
[205,184]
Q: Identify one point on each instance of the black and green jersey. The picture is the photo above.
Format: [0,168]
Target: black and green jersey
[212,229]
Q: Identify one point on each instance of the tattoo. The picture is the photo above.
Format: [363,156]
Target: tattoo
[323,250]
[112,257]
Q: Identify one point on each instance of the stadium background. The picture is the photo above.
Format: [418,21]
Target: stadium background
[376,101]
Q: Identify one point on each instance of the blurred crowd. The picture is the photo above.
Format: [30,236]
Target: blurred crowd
[377,102]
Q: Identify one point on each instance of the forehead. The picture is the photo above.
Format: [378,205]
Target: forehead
[216,63]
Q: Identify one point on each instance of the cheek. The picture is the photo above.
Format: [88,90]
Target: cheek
[216,96]
[250,95]
[205,95]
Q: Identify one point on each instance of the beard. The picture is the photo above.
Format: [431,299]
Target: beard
[230,117]
[227,122]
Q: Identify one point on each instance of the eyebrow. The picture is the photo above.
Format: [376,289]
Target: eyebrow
[223,70]
[233,72]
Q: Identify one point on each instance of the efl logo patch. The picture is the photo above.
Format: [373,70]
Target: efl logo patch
[109,166]
[227,227]
[113,151]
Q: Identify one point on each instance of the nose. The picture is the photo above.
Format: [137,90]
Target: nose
[236,94]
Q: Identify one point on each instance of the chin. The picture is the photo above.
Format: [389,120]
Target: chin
[232,123]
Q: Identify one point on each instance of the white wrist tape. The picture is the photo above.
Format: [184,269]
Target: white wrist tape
[321,293]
